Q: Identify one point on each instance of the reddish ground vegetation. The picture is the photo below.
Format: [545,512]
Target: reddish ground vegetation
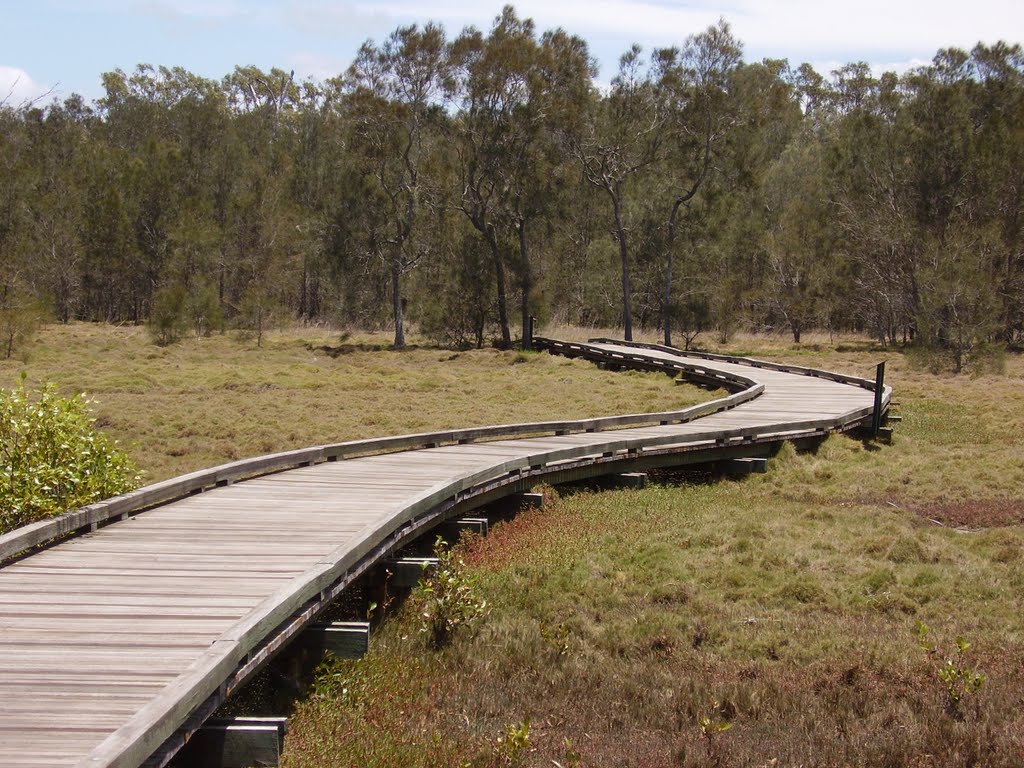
[981,513]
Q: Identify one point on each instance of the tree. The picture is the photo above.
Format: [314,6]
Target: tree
[798,238]
[622,138]
[695,88]
[393,94]
[514,91]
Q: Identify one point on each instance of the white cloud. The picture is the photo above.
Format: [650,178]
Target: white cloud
[340,19]
[17,88]
[318,66]
[795,29]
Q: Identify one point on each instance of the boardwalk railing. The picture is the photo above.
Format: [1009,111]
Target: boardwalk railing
[155,730]
[119,507]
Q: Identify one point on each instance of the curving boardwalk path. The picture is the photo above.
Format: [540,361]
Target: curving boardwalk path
[113,640]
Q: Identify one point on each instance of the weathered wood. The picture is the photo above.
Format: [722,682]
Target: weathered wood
[452,530]
[406,572]
[238,742]
[629,479]
[257,556]
[344,639]
[744,466]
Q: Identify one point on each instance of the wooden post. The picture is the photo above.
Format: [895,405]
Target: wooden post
[451,530]
[630,480]
[876,416]
[745,466]
[528,332]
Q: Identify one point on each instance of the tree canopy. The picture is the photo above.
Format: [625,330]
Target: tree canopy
[446,181]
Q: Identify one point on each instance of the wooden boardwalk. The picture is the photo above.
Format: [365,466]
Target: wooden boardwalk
[115,643]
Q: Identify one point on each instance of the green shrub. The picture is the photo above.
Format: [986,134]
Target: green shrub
[53,457]
[447,598]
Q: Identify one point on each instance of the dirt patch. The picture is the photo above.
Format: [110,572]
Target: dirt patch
[348,349]
[987,513]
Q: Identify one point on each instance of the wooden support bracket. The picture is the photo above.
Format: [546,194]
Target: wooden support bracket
[630,479]
[235,742]
[407,571]
[344,639]
[451,530]
[745,466]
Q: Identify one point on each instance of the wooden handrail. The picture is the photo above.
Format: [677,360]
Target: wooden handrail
[40,533]
[146,731]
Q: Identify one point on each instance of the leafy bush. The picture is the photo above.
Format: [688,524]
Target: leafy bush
[53,457]
[447,598]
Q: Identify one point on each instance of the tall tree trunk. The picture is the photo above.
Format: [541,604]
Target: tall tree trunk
[526,282]
[666,307]
[620,234]
[499,274]
[396,302]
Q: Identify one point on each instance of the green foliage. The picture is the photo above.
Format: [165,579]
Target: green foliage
[53,457]
[447,598]
[513,745]
[695,192]
[713,722]
[959,680]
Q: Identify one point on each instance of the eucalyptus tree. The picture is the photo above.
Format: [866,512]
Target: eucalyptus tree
[20,304]
[798,238]
[514,91]
[694,86]
[623,137]
[262,221]
[873,198]
[60,157]
[392,103]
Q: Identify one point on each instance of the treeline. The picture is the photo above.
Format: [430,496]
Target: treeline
[466,183]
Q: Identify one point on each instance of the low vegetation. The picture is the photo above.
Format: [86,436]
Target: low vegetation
[777,620]
[771,621]
[206,401]
[52,458]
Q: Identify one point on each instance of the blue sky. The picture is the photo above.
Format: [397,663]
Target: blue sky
[65,45]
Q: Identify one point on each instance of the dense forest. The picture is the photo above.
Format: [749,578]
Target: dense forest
[464,183]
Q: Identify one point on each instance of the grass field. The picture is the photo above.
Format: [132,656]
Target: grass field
[772,621]
[203,402]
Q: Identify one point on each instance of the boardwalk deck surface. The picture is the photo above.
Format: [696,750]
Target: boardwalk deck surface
[95,630]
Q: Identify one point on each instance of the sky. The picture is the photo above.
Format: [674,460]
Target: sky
[59,47]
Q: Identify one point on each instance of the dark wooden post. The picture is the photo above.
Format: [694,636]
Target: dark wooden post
[876,416]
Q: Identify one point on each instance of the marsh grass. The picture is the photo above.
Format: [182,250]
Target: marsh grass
[202,402]
[633,626]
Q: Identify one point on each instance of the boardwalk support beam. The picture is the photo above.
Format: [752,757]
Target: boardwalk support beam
[406,572]
[451,530]
[343,639]
[630,480]
[745,466]
[235,743]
